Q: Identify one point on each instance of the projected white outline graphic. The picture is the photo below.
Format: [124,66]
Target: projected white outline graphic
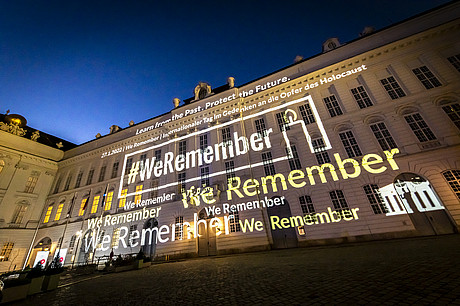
[292,121]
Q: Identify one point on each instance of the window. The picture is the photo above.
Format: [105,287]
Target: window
[182,147]
[138,196]
[181,182]
[268,163]
[306,204]
[154,186]
[58,184]
[392,87]
[108,201]
[95,204]
[179,228]
[307,114]
[67,182]
[122,201]
[89,180]
[157,156]
[293,158]
[333,106]
[230,170]
[72,241]
[226,135]
[78,181]
[59,212]
[426,77]
[338,200]
[204,176]
[142,159]
[32,182]
[375,199]
[115,238]
[115,169]
[19,213]
[350,144]
[260,127]
[453,111]
[321,154]
[102,173]
[383,136]
[282,122]
[129,163]
[48,214]
[453,178]
[234,221]
[6,251]
[203,142]
[82,206]
[361,97]
[419,127]
[455,61]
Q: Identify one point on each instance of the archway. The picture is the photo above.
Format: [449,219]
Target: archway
[150,249]
[286,237]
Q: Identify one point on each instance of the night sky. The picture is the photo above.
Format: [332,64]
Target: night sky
[74,68]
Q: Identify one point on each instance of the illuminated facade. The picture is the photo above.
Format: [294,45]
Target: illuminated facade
[360,142]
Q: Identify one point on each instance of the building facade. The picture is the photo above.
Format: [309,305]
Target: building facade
[357,143]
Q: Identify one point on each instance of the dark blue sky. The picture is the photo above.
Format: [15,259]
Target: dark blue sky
[74,68]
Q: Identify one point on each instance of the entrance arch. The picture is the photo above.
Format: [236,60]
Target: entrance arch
[412,194]
[207,245]
[150,249]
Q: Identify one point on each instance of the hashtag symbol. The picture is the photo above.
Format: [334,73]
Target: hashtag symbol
[133,173]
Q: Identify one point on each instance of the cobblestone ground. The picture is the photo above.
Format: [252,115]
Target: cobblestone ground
[418,271]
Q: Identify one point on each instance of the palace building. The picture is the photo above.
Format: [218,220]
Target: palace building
[360,142]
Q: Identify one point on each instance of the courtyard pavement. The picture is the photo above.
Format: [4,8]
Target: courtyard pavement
[422,271]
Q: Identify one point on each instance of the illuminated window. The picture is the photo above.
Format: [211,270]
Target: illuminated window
[383,136]
[333,106]
[129,163]
[67,182]
[157,156]
[181,182]
[154,186]
[267,161]
[361,97]
[203,142]
[453,178]
[115,169]
[179,228]
[260,127]
[115,238]
[59,212]
[142,159]
[375,199]
[58,184]
[82,206]
[350,144]
[455,61]
[453,111]
[6,251]
[426,77]
[48,214]
[182,147]
[102,173]
[226,135]
[293,158]
[307,113]
[2,165]
[19,213]
[392,88]
[234,221]
[282,122]
[229,170]
[89,180]
[95,204]
[204,176]
[338,200]
[122,201]
[31,183]
[138,196]
[108,201]
[78,181]
[321,154]
[419,127]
